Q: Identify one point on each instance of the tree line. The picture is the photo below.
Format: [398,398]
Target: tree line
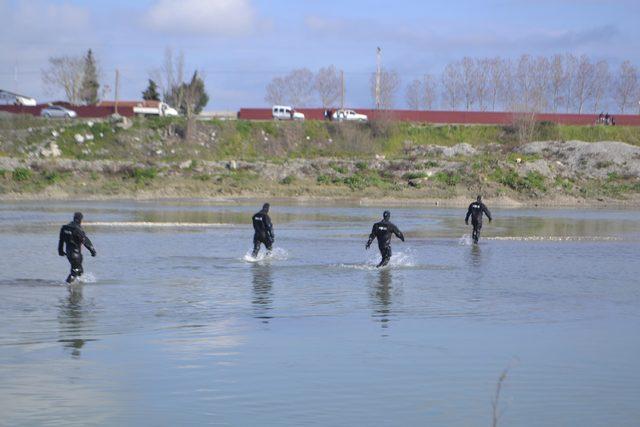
[558,84]
[78,77]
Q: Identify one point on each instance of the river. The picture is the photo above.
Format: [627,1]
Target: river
[173,326]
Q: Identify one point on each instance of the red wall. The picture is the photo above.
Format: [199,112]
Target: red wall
[459,117]
[85,111]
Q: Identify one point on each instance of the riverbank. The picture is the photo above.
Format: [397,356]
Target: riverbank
[371,163]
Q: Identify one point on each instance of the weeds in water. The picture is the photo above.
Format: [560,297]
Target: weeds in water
[495,402]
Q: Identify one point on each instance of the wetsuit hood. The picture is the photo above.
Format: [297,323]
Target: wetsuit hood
[386,215]
[77,217]
[265,207]
[479,199]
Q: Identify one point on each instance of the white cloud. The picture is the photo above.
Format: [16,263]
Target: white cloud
[213,17]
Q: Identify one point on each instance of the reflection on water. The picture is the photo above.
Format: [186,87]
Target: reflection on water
[72,320]
[475,256]
[262,290]
[382,297]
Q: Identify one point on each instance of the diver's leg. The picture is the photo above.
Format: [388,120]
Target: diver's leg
[386,256]
[75,259]
[256,247]
[474,234]
[268,243]
[478,227]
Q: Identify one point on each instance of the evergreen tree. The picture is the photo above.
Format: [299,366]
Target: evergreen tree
[90,84]
[192,96]
[151,93]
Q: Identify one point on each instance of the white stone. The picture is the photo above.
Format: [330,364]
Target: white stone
[79,138]
[88,137]
[51,151]
[90,124]
[54,134]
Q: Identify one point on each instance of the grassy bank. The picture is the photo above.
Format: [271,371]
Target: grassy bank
[165,158]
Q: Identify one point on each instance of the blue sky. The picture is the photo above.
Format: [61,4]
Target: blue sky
[240,45]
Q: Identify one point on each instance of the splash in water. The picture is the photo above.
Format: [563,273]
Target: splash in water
[278,254]
[85,278]
[401,259]
[465,240]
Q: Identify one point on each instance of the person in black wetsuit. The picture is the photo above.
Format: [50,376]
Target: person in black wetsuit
[476,209]
[263,230]
[72,237]
[383,231]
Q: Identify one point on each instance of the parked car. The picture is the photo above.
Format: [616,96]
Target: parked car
[349,116]
[57,111]
[284,112]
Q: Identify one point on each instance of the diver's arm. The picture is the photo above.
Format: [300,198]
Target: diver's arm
[87,243]
[466,218]
[371,237]
[486,212]
[269,226]
[61,243]
[398,233]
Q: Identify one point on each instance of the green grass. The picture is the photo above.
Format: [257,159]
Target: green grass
[21,174]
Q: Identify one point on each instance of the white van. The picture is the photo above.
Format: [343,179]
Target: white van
[284,112]
[155,108]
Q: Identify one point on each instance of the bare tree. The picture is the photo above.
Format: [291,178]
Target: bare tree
[170,76]
[571,65]
[429,91]
[413,95]
[65,73]
[482,84]
[626,90]
[558,81]
[389,84]
[468,83]
[600,85]
[451,85]
[276,91]
[329,86]
[582,83]
[496,80]
[540,82]
[300,85]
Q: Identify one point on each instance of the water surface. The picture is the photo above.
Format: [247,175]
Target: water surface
[173,326]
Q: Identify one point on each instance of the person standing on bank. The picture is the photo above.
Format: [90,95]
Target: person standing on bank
[383,231]
[475,211]
[263,230]
[72,238]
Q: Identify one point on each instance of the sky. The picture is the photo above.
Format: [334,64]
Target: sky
[240,45]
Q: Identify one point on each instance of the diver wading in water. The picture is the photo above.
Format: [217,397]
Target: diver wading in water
[72,237]
[476,209]
[263,231]
[383,231]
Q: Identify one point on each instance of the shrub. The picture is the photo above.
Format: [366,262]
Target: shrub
[449,178]
[362,166]
[143,175]
[534,181]
[338,168]
[323,179]
[52,177]
[287,179]
[414,175]
[21,174]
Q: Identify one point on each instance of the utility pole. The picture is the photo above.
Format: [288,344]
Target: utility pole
[342,93]
[378,75]
[116,90]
